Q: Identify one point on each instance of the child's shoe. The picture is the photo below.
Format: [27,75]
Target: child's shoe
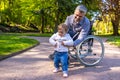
[55,70]
[65,75]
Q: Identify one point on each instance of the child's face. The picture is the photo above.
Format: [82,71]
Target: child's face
[61,31]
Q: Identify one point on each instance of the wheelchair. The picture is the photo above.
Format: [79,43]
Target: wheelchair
[90,51]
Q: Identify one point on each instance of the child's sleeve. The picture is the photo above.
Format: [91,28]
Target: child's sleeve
[69,41]
[52,39]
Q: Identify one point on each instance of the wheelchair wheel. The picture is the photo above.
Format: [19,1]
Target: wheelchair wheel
[90,51]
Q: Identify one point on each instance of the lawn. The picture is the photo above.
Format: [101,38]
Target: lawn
[115,40]
[29,34]
[13,43]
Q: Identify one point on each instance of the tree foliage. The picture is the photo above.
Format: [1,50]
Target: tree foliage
[112,9]
[41,13]
[45,15]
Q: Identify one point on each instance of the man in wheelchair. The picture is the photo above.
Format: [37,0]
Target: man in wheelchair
[78,24]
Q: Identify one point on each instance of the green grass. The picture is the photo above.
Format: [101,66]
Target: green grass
[29,34]
[115,40]
[13,43]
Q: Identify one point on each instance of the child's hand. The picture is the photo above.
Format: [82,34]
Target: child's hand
[63,43]
[55,45]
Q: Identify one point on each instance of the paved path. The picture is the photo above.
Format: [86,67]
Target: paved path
[34,64]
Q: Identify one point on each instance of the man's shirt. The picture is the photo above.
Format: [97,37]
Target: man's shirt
[84,25]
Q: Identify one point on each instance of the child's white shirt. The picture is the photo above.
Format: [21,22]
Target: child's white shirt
[56,39]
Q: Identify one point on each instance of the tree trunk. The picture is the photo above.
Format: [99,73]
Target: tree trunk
[42,28]
[116,19]
[56,22]
[42,20]
[56,17]
[115,27]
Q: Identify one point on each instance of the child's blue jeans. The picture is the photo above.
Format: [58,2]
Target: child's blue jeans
[61,57]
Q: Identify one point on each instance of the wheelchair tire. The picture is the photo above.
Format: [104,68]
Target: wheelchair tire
[90,51]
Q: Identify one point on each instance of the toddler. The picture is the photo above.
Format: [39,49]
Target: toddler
[61,40]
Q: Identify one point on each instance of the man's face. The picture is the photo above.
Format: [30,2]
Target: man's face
[78,15]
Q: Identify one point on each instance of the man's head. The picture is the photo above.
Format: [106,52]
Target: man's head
[79,12]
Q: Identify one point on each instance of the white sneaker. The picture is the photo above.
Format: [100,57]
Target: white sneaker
[55,70]
[65,75]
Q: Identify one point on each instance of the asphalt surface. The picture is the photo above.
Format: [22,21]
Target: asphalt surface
[34,64]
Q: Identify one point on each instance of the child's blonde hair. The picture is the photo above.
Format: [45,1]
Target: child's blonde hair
[64,26]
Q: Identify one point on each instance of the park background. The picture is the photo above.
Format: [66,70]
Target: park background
[41,17]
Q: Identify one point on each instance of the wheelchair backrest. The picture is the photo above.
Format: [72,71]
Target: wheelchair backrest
[90,31]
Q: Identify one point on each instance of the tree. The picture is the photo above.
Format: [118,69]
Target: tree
[112,9]
[61,9]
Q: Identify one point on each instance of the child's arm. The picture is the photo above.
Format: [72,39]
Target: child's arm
[52,40]
[68,42]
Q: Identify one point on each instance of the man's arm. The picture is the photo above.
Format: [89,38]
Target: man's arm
[69,41]
[84,32]
[67,21]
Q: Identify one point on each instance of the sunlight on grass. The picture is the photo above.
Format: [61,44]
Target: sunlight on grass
[13,42]
[10,44]
[115,40]
[29,34]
